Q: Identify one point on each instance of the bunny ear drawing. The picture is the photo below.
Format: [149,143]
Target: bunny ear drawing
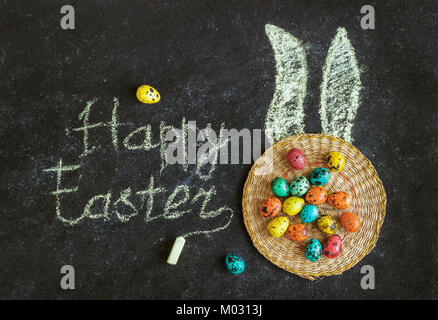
[285,115]
[340,86]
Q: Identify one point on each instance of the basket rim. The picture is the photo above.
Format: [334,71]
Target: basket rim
[381,217]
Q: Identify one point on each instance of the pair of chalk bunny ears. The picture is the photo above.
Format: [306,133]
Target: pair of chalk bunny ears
[340,86]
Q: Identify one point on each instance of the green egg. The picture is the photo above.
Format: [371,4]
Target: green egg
[299,186]
[280,187]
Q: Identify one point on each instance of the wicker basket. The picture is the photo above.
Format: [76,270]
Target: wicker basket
[359,178]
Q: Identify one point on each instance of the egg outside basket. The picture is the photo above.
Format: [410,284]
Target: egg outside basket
[359,178]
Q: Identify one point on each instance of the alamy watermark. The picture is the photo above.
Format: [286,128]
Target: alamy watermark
[368,280]
[230,146]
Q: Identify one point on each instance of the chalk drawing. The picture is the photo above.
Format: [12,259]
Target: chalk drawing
[285,115]
[84,116]
[213,149]
[113,125]
[171,204]
[106,198]
[340,88]
[124,199]
[179,142]
[208,195]
[150,192]
[146,145]
[59,169]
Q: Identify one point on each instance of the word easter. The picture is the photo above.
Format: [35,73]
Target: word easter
[175,146]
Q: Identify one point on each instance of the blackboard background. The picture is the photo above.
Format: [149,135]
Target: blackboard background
[211,62]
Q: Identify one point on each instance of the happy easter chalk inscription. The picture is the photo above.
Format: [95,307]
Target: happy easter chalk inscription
[130,202]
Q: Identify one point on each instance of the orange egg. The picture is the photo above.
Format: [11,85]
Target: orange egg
[350,222]
[297,232]
[270,207]
[340,200]
[316,195]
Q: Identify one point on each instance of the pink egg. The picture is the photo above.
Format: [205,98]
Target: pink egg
[296,158]
[332,247]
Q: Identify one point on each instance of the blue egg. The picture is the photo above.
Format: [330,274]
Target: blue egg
[309,213]
[235,263]
[313,250]
[319,176]
[299,186]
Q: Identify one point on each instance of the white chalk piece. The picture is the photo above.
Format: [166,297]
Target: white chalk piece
[176,250]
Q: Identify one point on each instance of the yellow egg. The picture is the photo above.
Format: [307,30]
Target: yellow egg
[147,94]
[278,226]
[335,161]
[293,205]
[327,224]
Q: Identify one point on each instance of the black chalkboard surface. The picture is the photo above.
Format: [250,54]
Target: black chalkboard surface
[83,181]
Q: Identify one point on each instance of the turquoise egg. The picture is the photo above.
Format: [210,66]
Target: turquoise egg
[313,250]
[319,176]
[299,186]
[309,213]
[235,263]
[280,187]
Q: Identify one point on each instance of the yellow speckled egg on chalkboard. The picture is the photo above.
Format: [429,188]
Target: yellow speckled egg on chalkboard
[278,226]
[147,94]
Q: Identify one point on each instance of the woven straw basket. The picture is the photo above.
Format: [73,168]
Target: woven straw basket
[358,178]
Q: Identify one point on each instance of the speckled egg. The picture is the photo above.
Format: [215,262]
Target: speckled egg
[299,186]
[309,213]
[271,207]
[335,161]
[296,158]
[340,200]
[327,224]
[350,222]
[235,263]
[313,250]
[280,187]
[147,94]
[316,195]
[297,232]
[278,226]
[293,205]
[332,247]
[319,176]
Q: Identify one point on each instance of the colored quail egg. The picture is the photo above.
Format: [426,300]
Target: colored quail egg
[296,158]
[299,186]
[235,263]
[293,205]
[271,207]
[280,187]
[316,195]
[297,232]
[332,247]
[335,161]
[319,176]
[313,250]
[147,94]
[327,224]
[340,200]
[278,226]
[350,222]
[309,213]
